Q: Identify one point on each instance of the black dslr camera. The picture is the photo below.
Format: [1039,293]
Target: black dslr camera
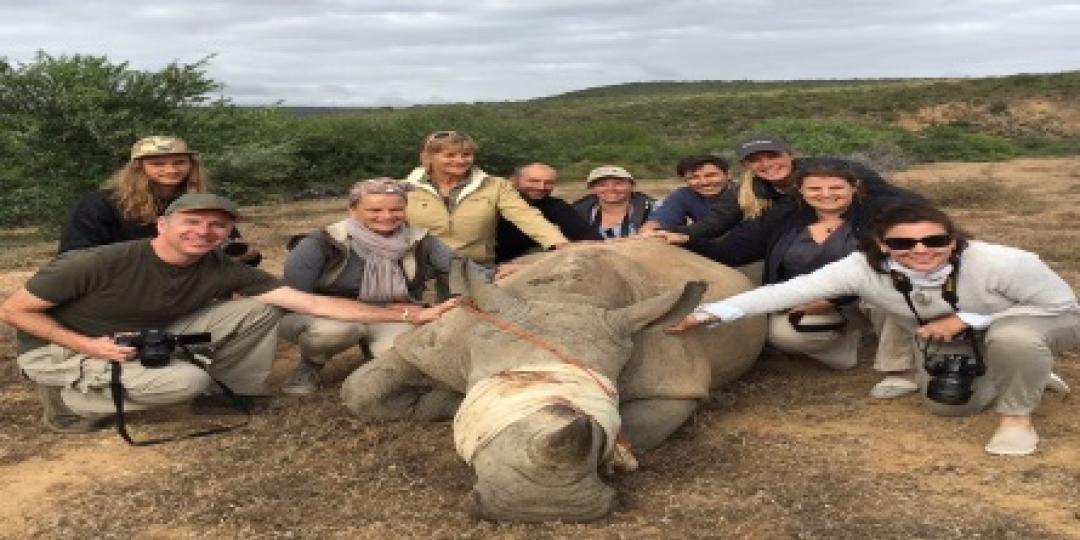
[952,376]
[154,347]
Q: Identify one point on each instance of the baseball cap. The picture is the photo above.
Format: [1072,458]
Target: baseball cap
[607,171]
[202,201]
[159,145]
[761,143]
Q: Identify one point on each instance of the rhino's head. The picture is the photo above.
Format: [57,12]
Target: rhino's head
[541,414]
[542,468]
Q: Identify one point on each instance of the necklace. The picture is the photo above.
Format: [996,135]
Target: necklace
[831,227]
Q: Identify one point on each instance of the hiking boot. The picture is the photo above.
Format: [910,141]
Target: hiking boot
[303,380]
[59,418]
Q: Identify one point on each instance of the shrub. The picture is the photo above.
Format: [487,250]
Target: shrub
[954,143]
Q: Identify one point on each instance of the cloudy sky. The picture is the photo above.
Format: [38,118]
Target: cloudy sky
[394,52]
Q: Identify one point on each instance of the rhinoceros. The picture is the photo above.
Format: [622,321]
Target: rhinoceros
[560,368]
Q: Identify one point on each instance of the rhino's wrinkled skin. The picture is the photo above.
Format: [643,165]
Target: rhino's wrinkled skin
[593,303]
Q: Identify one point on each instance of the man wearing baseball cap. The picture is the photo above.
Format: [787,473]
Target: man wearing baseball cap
[179,281]
[613,208]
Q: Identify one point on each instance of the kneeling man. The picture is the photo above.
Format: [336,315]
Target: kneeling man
[180,281]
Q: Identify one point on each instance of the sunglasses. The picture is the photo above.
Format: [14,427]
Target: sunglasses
[904,244]
[442,135]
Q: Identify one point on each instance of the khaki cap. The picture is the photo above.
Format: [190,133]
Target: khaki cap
[159,145]
[203,201]
[607,171]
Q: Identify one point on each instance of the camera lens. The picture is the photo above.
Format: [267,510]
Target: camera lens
[950,389]
[236,249]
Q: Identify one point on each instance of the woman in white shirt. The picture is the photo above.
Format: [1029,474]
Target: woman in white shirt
[968,303]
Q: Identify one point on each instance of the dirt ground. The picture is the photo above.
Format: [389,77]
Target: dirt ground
[791,451]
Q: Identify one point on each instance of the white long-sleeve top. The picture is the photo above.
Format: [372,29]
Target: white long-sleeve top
[995,282]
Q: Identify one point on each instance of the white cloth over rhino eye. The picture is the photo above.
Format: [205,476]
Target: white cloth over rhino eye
[494,403]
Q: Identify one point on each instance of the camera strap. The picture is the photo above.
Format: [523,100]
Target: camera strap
[948,293]
[117,391]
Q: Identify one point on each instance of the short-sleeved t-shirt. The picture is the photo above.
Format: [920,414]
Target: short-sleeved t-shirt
[125,287]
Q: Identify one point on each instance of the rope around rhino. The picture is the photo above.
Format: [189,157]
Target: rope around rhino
[624,457]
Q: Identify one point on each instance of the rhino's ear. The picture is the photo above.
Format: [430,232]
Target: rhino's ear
[661,310]
[468,282]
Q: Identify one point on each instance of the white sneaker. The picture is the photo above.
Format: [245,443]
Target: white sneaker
[1056,384]
[893,386]
[1013,441]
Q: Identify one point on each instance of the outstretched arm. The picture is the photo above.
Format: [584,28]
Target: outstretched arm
[347,309]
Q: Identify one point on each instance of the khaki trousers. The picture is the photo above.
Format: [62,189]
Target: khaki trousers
[242,348]
[838,349]
[319,338]
[1019,355]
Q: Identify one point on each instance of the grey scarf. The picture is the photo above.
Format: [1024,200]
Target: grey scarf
[383,280]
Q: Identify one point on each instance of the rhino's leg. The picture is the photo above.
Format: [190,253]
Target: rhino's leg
[389,388]
[649,422]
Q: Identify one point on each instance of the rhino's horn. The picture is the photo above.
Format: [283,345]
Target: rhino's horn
[566,445]
[468,282]
[661,310]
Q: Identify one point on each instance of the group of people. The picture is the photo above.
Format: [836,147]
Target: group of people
[843,252]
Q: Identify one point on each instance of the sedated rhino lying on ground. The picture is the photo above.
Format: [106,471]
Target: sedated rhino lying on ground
[540,419]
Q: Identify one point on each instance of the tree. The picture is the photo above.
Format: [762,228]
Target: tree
[66,122]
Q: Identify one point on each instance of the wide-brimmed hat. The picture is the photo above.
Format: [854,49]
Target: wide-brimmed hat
[160,145]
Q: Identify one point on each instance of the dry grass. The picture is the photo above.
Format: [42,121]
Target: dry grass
[791,451]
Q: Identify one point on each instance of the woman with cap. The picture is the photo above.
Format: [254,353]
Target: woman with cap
[796,237]
[707,185]
[988,319]
[613,207]
[374,256]
[161,169]
[460,204]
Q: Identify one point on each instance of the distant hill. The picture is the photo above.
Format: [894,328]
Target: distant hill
[647,126]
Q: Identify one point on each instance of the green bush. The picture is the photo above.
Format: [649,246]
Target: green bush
[67,122]
[954,143]
[71,120]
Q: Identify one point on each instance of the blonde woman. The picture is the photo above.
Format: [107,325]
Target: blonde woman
[161,169]
[373,256]
[460,204]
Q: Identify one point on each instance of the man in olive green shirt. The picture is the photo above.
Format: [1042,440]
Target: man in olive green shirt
[180,281]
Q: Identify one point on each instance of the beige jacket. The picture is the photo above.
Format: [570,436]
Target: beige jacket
[471,227]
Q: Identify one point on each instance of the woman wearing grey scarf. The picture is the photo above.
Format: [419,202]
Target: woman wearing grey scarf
[373,256]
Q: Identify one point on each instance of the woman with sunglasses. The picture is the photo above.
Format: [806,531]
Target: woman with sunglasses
[796,237]
[460,204]
[161,169]
[961,298]
[373,256]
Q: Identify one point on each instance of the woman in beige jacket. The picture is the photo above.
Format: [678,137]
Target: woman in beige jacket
[460,204]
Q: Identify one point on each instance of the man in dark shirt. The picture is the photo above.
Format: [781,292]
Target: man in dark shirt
[535,182]
[69,313]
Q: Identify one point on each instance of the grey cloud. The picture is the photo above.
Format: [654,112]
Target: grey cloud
[366,52]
